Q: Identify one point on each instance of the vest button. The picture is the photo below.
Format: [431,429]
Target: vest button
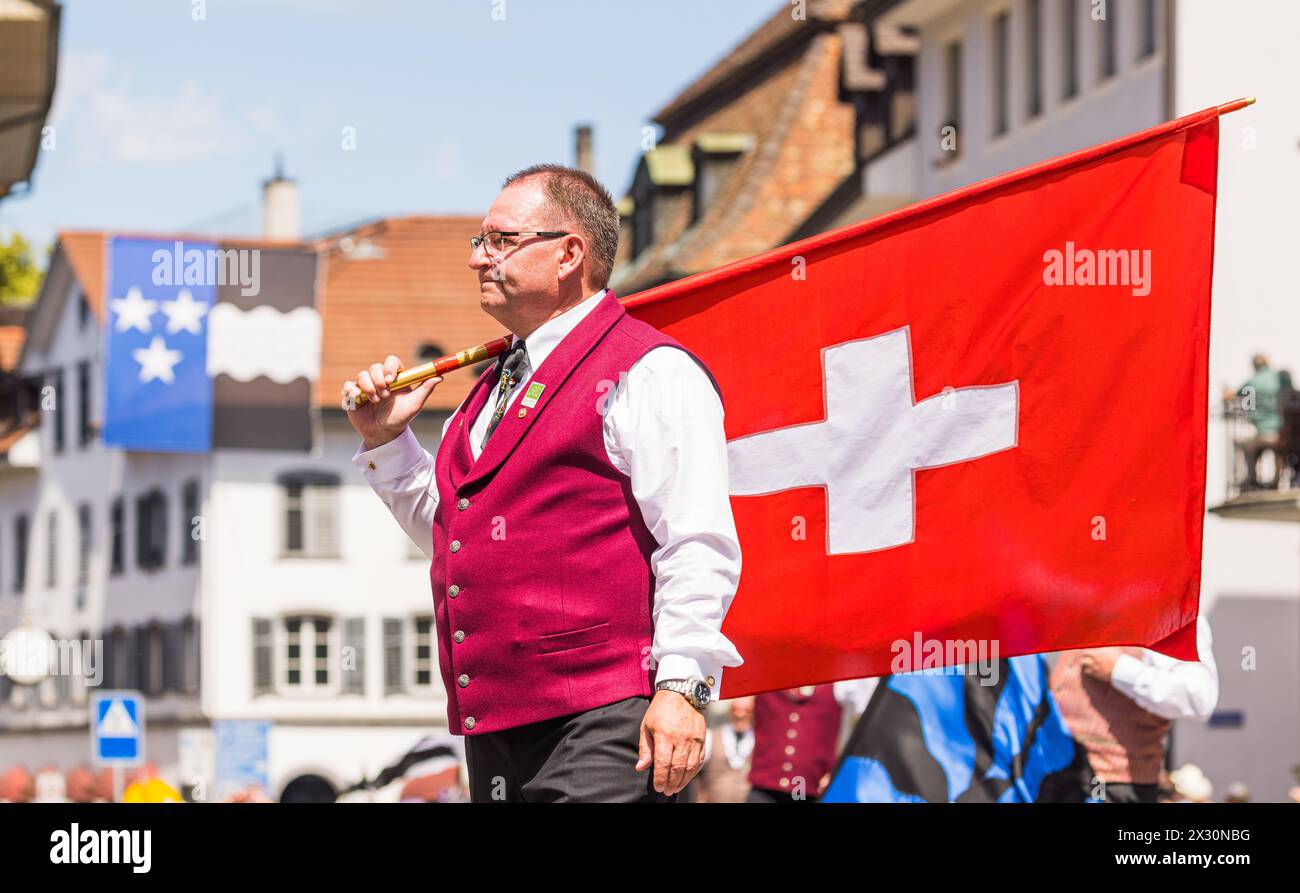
[462,680]
[785,782]
[459,636]
[794,717]
[454,590]
[469,722]
[462,503]
[455,545]
[792,734]
[789,750]
[787,767]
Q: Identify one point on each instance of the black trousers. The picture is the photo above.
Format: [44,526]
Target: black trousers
[587,757]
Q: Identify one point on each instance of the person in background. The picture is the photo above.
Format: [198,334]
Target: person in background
[728,754]
[1237,792]
[1260,398]
[796,737]
[1119,704]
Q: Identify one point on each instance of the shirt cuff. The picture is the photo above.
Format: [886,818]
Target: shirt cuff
[1124,675]
[390,460]
[679,666]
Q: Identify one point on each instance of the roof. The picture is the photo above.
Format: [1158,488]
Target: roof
[11,345]
[772,37]
[416,288]
[791,137]
[29,52]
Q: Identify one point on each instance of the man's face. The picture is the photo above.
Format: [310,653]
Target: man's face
[522,273]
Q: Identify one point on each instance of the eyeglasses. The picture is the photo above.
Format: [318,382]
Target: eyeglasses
[495,241]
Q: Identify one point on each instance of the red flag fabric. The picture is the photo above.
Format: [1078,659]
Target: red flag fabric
[978,419]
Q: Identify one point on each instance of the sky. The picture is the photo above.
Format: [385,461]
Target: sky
[168,114]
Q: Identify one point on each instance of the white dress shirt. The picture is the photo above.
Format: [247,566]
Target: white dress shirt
[1165,686]
[663,429]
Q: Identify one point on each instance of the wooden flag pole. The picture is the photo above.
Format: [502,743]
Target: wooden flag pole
[441,366]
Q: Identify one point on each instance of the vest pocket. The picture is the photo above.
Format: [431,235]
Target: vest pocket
[578,638]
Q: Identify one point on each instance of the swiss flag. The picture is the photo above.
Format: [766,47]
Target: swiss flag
[982,417]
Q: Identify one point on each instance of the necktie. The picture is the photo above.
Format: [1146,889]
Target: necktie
[509,366]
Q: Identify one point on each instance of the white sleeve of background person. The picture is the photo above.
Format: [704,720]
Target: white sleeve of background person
[663,429]
[402,477]
[1174,689]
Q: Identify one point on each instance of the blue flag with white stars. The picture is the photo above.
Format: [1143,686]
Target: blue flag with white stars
[158,393]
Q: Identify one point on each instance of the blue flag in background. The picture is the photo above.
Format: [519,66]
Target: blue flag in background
[943,737]
[158,391]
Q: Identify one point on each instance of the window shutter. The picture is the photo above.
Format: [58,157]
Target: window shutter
[394,681]
[262,678]
[354,637]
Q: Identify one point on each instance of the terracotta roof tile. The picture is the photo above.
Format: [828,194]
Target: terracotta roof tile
[11,345]
[773,34]
[803,150]
[420,290]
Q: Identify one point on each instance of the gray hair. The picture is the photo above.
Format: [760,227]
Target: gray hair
[582,200]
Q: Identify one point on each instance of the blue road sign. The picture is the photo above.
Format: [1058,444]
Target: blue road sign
[117,728]
[241,754]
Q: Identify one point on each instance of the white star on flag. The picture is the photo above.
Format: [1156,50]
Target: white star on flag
[133,311]
[184,313]
[156,360]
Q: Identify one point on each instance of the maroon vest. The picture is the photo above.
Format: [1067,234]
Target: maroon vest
[542,588]
[795,737]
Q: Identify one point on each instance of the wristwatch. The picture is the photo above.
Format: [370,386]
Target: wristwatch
[695,690]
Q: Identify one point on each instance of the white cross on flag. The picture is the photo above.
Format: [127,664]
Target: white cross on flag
[978,419]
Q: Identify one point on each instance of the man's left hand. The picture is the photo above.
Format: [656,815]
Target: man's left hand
[672,738]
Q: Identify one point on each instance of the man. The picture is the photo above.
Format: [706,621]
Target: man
[577,516]
[1261,397]
[727,755]
[1119,704]
[796,736]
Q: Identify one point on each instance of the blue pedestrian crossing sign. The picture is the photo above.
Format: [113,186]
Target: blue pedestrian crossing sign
[117,728]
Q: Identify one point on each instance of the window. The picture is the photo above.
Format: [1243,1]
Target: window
[310,510]
[172,645]
[84,432]
[150,658]
[83,544]
[1001,74]
[1147,45]
[423,651]
[321,647]
[1033,58]
[952,85]
[151,530]
[293,652]
[117,521]
[55,381]
[20,553]
[393,681]
[52,550]
[307,652]
[83,310]
[263,681]
[1069,49]
[428,351]
[1106,60]
[353,668]
[191,526]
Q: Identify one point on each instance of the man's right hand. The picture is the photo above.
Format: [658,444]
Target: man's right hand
[387,413]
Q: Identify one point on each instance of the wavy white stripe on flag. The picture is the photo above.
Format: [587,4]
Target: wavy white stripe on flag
[264,341]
